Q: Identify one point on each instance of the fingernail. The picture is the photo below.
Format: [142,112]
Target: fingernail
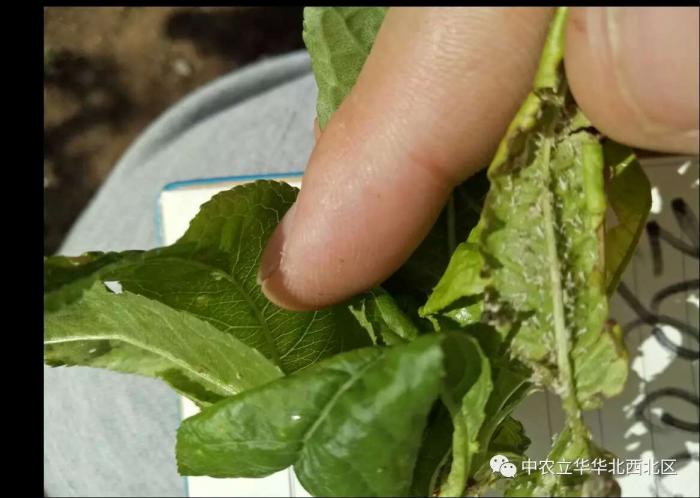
[272,255]
[655,63]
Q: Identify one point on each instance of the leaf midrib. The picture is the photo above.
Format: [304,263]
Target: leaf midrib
[561,333]
[155,350]
[339,393]
[257,312]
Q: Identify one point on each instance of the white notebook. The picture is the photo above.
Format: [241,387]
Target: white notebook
[662,378]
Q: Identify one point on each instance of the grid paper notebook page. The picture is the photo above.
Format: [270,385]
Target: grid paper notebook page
[656,417]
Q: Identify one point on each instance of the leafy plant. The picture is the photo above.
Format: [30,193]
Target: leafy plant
[409,388]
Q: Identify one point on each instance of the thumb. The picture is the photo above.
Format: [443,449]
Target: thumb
[428,109]
[634,73]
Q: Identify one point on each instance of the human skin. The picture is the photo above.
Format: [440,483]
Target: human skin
[429,107]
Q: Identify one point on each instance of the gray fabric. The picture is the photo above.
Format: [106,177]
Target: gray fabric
[108,434]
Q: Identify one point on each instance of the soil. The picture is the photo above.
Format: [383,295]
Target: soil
[110,71]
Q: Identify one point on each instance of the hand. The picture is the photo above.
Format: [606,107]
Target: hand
[428,110]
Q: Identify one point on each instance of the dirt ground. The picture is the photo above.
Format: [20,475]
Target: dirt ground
[109,71]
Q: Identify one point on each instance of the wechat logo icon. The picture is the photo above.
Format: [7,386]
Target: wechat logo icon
[501,465]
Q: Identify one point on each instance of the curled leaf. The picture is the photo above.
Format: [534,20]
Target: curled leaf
[629,196]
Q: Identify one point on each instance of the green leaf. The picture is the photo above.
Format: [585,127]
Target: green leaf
[346,424]
[629,194]
[511,384]
[210,273]
[542,243]
[291,340]
[230,232]
[339,40]
[462,279]
[500,433]
[410,303]
[434,455]
[509,438]
[66,278]
[129,333]
[382,318]
[469,386]
[602,365]
[506,388]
